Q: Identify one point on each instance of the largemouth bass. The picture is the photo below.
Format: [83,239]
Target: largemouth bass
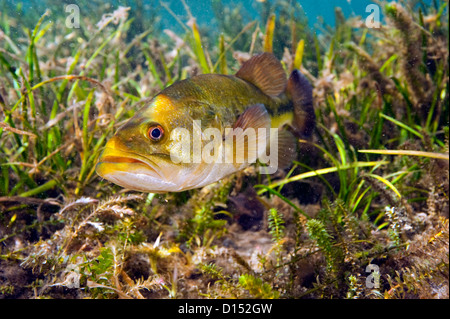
[184,137]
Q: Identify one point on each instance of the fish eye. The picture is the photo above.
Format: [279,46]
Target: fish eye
[155,132]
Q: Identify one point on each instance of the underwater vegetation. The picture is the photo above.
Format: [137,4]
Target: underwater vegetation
[361,213]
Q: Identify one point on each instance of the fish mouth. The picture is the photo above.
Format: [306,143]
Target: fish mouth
[113,160]
[133,171]
[119,159]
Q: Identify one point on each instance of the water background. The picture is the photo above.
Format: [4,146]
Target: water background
[202,10]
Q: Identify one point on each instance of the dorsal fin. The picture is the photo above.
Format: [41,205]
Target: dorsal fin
[266,72]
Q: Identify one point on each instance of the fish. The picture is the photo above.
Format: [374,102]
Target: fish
[183,137]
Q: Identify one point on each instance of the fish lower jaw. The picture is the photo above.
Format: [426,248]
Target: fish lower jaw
[111,164]
[138,178]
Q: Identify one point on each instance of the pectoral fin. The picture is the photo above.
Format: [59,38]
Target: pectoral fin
[244,141]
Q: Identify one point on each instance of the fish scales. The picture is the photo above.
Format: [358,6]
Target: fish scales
[183,138]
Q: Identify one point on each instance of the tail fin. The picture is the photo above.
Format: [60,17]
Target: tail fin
[300,91]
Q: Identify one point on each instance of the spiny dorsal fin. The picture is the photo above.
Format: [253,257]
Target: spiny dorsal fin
[266,72]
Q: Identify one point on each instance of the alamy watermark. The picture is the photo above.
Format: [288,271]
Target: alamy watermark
[238,146]
[373,280]
[373,19]
[73,19]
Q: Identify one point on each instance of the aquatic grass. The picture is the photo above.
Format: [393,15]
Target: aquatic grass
[91,147]
[85,141]
[372,147]
[408,153]
[299,54]
[317,232]
[31,58]
[40,189]
[323,171]
[223,50]
[268,36]
[50,137]
[318,53]
[198,48]
[222,60]
[386,182]
[402,125]
[271,190]
[360,189]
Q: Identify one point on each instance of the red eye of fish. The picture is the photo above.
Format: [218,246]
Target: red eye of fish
[156,132]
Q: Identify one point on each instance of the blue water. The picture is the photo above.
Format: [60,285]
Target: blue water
[316,11]
[312,8]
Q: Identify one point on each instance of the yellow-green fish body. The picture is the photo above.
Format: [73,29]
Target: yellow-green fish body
[145,154]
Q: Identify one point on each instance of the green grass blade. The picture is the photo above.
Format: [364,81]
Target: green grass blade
[40,189]
[388,62]
[268,36]
[299,54]
[274,192]
[227,48]
[222,59]
[198,49]
[408,153]
[327,170]
[402,125]
[387,183]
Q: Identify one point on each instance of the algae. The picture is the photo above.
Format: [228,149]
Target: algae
[363,212]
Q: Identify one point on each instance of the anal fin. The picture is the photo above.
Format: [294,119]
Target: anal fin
[280,152]
[287,148]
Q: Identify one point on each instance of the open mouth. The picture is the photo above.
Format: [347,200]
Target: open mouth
[116,160]
[120,159]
